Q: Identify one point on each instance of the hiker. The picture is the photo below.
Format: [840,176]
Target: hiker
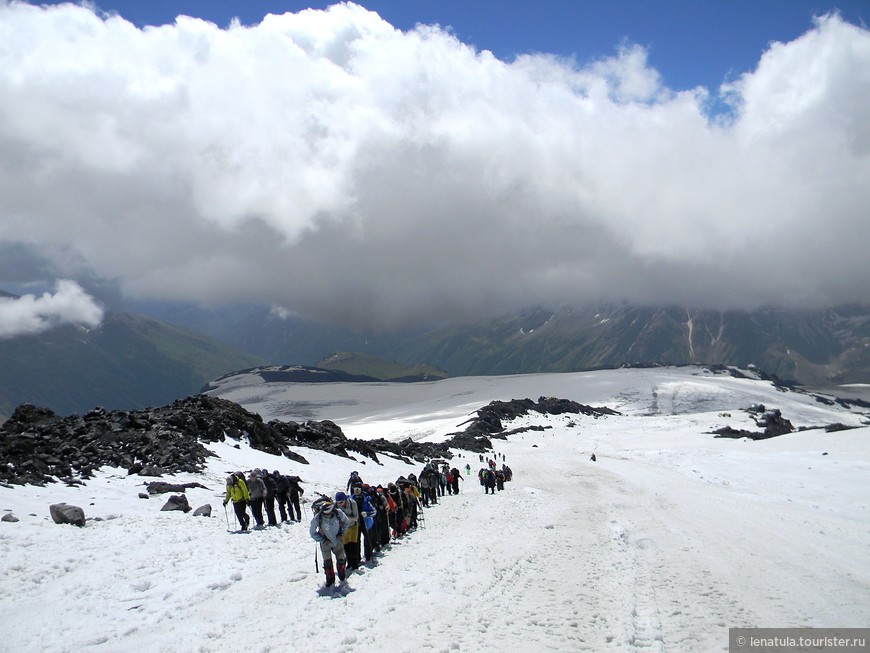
[350,537]
[366,510]
[269,482]
[296,491]
[488,481]
[592,458]
[455,480]
[282,487]
[256,492]
[353,480]
[328,527]
[468,469]
[442,480]
[424,488]
[237,492]
[499,480]
[508,474]
[382,520]
[410,497]
[397,510]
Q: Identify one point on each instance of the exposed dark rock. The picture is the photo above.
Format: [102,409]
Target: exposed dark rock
[40,447]
[9,517]
[772,421]
[832,428]
[177,502]
[489,419]
[63,513]
[160,487]
[203,511]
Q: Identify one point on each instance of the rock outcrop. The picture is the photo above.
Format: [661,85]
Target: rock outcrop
[41,447]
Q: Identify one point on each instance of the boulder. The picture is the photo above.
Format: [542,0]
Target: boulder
[161,487]
[203,511]
[63,513]
[177,502]
[9,517]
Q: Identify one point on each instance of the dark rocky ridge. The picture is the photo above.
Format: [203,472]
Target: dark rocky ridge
[37,446]
[488,423]
[773,424]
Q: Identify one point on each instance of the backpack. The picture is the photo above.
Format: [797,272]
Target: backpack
[318,504]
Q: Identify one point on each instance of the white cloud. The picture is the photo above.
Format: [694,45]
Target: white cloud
[326,162]
[29,314]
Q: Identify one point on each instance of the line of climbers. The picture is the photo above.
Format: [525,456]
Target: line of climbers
[491,478]
[263,489]
[362,524]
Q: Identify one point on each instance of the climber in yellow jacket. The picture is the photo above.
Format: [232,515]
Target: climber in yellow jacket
[237,492]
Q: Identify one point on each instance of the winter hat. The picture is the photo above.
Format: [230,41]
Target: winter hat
[340,496]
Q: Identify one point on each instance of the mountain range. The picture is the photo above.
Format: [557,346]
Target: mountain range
[812,347]
[167,351]
[129,361]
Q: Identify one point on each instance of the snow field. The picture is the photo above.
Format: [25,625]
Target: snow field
[668,539]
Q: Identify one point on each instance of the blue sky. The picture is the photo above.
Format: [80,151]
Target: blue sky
[344,164]
[690,42]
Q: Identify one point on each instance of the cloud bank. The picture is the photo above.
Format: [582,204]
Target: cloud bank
[30,314]
[328,163]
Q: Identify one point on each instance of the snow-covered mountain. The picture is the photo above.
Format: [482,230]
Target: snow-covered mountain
[666,540]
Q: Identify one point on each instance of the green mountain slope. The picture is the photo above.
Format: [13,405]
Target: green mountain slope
[129,361]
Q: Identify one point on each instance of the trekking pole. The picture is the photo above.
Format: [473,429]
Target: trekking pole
[316,566]
[227,516]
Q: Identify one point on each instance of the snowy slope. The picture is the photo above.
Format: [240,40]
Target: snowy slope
[668,539]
